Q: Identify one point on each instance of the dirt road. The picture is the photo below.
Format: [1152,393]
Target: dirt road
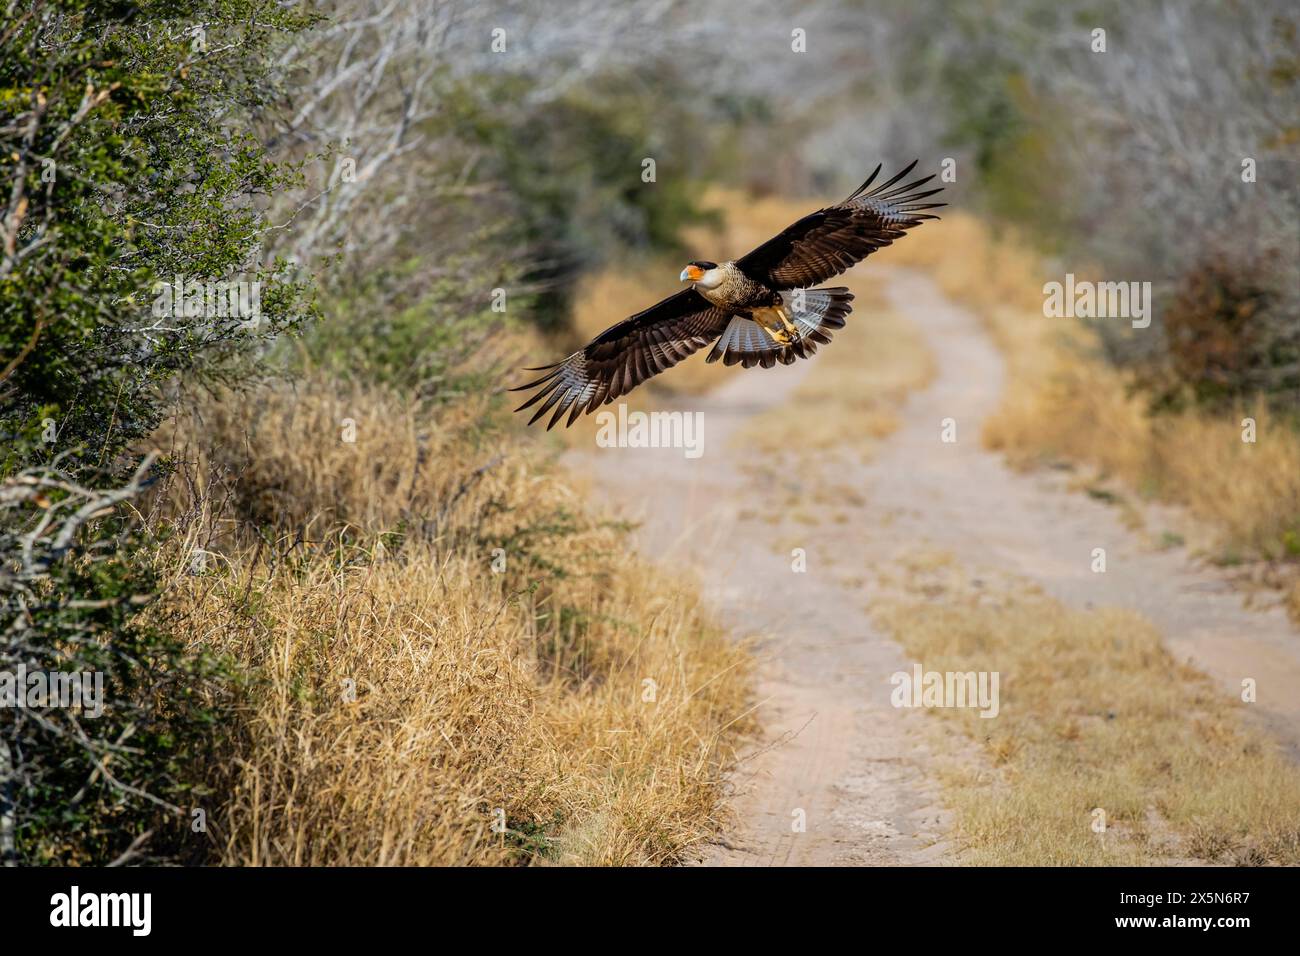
[838,760]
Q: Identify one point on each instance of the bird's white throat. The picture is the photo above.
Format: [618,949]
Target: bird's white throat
[712,278]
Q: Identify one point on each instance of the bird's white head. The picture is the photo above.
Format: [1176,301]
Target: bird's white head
[702,273]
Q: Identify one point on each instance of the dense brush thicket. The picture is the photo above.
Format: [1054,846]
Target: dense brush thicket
[1152,142]
[126,166]
[385,193]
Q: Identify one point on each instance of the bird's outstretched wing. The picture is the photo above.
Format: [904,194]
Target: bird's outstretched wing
[624,356]
[825,243]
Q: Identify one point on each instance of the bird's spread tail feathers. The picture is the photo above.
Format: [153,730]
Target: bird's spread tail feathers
[812,314]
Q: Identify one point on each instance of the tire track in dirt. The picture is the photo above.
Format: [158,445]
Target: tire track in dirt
[962,498]
[859,770]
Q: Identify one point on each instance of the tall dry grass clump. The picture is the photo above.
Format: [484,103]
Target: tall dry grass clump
[1063,402]
[444,659]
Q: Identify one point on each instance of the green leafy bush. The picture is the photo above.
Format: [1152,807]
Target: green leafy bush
[126,162]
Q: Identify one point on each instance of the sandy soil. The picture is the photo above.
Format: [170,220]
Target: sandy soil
[836,754]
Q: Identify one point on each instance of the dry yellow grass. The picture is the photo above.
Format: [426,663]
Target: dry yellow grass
[403,694]
[1063,402]
[763,217]
[1094,714]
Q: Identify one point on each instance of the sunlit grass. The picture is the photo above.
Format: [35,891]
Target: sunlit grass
[1094,714]
[411,688]
[1063,402]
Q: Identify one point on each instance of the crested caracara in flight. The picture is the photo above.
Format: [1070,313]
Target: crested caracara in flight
[759,309]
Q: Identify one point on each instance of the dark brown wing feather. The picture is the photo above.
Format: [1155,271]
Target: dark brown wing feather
[827,242]
[624,356]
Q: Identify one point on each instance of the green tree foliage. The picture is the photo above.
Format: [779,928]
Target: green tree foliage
[126,164]
[578,170]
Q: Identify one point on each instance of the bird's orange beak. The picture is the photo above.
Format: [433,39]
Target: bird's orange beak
[692,274]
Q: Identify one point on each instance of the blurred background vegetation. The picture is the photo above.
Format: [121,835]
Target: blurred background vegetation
[385,168]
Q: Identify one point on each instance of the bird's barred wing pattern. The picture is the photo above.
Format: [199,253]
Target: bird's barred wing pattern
[624,356]
[825,243]
[816,313]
